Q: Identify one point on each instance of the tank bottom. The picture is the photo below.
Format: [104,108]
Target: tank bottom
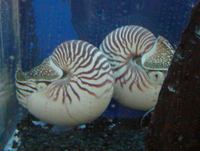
[102,134]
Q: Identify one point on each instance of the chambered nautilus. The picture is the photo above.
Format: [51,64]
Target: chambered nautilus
[139,62]
[72,86]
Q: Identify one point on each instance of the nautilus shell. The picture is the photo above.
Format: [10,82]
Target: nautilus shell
[72,86]
[140,62]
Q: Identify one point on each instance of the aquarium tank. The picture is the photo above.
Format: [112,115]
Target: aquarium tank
[84,75]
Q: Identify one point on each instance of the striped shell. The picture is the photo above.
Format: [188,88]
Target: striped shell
[72,86]
[139,62]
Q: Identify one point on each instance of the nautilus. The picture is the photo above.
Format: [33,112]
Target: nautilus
[140,62]
[72,86]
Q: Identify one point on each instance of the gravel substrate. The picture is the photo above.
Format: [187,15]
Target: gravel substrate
[103,134]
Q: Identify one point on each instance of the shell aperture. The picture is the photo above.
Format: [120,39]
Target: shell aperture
[139,62]
[73,86]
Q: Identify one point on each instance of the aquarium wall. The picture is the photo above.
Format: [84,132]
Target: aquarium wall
[9,54]
[93,20]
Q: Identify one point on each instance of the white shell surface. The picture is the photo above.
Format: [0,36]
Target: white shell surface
[78,112]
[77,95]
[137,95]
[136,86]
[137,99]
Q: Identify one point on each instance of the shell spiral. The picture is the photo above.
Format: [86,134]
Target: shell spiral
[126,48]
[72,86]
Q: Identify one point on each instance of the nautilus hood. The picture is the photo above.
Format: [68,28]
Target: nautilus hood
[46,71]
[159,57]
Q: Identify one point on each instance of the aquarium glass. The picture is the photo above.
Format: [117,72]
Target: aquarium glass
[9,54]
[31,30]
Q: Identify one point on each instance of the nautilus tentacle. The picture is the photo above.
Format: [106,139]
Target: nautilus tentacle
[139,62]
[72,86]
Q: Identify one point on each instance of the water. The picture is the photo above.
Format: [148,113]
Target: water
[29,32]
